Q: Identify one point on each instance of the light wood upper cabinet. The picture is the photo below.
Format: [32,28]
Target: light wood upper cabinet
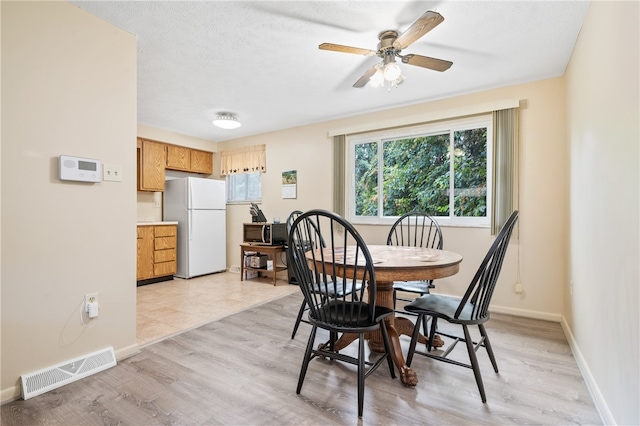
[152,158]
[155,157]
[189,160]
[201,161]
[178,158]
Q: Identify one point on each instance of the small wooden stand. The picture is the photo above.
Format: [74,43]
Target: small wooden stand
[270,251]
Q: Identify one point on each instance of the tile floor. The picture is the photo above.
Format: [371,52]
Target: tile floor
[171,307]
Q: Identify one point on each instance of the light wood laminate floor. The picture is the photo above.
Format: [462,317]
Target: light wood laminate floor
[171,307]
[243,370]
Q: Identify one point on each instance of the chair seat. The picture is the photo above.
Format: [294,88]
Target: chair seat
[441,306]
[352,316]
[413,286]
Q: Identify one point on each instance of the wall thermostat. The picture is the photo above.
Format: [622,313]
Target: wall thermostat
[80,169]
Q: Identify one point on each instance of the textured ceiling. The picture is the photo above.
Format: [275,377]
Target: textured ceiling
[260,59]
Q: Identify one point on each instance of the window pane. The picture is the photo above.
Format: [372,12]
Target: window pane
[244,187]
[366,179]
[470,180]
[254,187]
[416,175]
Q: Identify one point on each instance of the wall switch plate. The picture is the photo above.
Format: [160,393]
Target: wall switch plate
[112,172]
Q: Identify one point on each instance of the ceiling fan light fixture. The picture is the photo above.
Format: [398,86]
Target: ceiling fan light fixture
[226,121]
[391,71]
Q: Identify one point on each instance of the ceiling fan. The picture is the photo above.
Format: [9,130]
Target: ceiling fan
[389,48]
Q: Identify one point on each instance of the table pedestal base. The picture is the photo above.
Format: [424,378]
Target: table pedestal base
[395,327]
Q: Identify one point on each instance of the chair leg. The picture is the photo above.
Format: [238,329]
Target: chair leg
[300,313]
[333,338]
[307,358]
[414,340]
[425,322]
[360,374]
[474,362]
[487,346]
[432,334]
[387,348]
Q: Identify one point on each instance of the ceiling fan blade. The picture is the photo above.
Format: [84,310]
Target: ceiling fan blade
[427,62]
[346,49]
[362,81]
[428,21]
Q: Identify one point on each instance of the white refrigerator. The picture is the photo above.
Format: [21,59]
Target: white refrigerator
[198,205]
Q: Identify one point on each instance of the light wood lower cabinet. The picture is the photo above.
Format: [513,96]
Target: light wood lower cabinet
[156,251]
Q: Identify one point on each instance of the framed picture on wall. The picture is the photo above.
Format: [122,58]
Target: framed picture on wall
[289,184]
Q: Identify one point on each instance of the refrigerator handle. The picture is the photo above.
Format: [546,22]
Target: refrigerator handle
[190,224]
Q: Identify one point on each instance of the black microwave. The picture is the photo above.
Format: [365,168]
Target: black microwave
[272,234]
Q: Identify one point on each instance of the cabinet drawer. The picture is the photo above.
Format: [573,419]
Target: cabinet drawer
[164,256]
[163,243]
[164,268]
[165,230]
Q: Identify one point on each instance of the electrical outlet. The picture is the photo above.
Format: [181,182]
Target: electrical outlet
[89,298]
[518,288]
[112,172]
[157,199]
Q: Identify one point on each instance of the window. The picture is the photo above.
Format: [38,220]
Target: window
[441,169]
[244,187]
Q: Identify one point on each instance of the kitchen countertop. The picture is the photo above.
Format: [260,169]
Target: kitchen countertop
[168,222]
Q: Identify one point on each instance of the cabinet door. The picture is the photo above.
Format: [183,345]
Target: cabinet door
[151,165]
[178,158]
[201,162]
[145,258]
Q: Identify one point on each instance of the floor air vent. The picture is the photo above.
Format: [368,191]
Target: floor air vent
[50,378]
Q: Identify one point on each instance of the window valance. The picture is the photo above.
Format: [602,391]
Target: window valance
[247,159]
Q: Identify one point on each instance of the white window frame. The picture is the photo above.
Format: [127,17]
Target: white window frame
[453,125]
[233,197]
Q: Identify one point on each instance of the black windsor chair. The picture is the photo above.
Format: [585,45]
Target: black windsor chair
[294,280]
[323,269]
[415,229]
[472,308]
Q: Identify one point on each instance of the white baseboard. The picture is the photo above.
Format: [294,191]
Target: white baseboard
[126,352]
[546,316]
[601,405]
[9,394]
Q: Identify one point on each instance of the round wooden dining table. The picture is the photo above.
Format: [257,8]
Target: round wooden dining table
[400,263]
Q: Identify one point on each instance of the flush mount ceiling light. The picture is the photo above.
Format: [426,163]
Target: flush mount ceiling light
[226,120]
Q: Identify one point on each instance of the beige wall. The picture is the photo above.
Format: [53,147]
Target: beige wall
[579,194]
[68,87]
[603,131]
[543,193]
[147,210]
